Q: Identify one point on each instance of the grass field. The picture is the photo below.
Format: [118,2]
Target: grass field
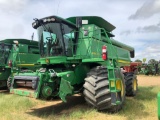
[141,107]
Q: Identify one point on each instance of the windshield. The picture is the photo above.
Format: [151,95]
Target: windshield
[55,39]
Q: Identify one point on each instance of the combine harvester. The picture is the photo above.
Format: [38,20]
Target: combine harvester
[16,55]
[78,55]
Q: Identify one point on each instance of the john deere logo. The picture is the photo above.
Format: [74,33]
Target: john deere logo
[47,60]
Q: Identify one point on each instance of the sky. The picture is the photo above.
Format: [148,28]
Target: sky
[137,21]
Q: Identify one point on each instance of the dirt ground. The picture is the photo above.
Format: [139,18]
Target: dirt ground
[59,108]
[148,80]
[64,108]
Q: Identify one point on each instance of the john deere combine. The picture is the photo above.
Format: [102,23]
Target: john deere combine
[16,55]
[78,55]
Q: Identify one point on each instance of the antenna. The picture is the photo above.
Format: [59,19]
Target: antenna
[58,6]
[32,36]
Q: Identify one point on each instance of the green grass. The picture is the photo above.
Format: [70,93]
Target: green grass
[142,106]
[14,103]
[13,106]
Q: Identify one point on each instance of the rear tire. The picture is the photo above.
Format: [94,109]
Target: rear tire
[131,84]
[97,92]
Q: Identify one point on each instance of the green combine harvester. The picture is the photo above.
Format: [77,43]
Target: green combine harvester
[16,55]
[78,55]
[150,69]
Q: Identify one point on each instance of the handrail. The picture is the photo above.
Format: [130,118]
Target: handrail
[81,37]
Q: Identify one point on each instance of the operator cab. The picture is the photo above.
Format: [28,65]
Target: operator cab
[4,52]
[55,35]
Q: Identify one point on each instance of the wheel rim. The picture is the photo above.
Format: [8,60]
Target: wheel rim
[120,86]
[134,84]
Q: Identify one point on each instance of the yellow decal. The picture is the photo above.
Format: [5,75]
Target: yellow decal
[47,60]
[94,53]
[25,64]
[124,61]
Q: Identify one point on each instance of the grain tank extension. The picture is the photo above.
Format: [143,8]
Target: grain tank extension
[78,55]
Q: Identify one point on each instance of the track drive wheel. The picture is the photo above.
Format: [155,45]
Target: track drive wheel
[97,92]
[131,84]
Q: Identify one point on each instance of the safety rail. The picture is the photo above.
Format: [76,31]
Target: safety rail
[90,39]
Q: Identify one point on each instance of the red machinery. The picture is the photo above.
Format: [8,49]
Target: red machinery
[133,67]
[131,78]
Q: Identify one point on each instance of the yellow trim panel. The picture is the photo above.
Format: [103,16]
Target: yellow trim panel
[124,61]
[25,64]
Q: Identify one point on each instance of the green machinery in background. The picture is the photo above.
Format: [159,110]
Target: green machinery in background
[16,55]
[150,69]
[78,55]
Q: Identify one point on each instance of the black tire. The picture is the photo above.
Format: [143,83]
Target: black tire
[96,90]
[131,84]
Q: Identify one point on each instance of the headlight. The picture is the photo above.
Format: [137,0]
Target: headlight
[45,20]
[52,19]
[48,20]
